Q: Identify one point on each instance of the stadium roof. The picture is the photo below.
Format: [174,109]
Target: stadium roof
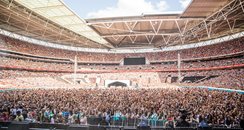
[58,12]
[204,8]
[53,21]
[202,20]
[50,20]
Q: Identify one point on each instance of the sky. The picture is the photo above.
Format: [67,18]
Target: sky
[115,8]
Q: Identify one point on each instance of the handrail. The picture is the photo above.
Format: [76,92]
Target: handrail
[93,50]
[122,124]
[31,55]
[53,59]
[122,71]
[203,58]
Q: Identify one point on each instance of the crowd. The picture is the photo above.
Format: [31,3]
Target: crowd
[29,64]
[229,47]
[213,63]
[224,78]
[54,66]
[227,78]
[13,74]
[23,79]
[35,83]
[230,78]
[75,106]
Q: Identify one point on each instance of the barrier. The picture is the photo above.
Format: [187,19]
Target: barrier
[94,120]
[220,128]
[105,128]
[45,126]
[143,128]
[48,126]
[4,124]
[129,128]
[125,122]
[78,127]
[19,126]
[180,128]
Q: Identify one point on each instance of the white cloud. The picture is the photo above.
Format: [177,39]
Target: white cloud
[184,3]
[162,6]
[130,8]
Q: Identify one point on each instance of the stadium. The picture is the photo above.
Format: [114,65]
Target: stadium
[153,71]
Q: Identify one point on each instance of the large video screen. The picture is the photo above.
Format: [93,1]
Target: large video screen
[135,61]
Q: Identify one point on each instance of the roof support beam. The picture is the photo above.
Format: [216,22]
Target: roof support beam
[131,25]
[166,41]
[114,29]
[10,4]
[108,25]
[234,23]
[139,34]
[217,16]
[60,34]
[90,22]
[150,38]
[69,25]
[133,38]
[48,7]
[241,5]
[120,42]
[181,31]
[57,24]
[129,32]
[195,35]
[156,25]
[43,34]
[231,29]
[208,30]
[116,38]
[61,16]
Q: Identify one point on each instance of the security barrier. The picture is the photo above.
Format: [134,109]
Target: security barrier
[44,126]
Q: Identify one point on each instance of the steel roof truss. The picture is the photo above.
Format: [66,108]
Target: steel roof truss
[166,41]
[139,34]
[225,11]
[60,34]
[180,31]
[116,38]
[43,34]
[231,29]
[10,4]
[115,29]
[208,30]
[150,38]
[107,25]
[130,25]
[47,7]
[142,20]
[241,5]
[156,25]
[133,38]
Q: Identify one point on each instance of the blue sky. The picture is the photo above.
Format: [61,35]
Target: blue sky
[113,8]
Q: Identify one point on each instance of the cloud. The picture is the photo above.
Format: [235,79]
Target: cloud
[130,8]
[162,6]
[184,3]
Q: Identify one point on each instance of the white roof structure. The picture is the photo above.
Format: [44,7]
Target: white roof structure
[58,12]
[51,21]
